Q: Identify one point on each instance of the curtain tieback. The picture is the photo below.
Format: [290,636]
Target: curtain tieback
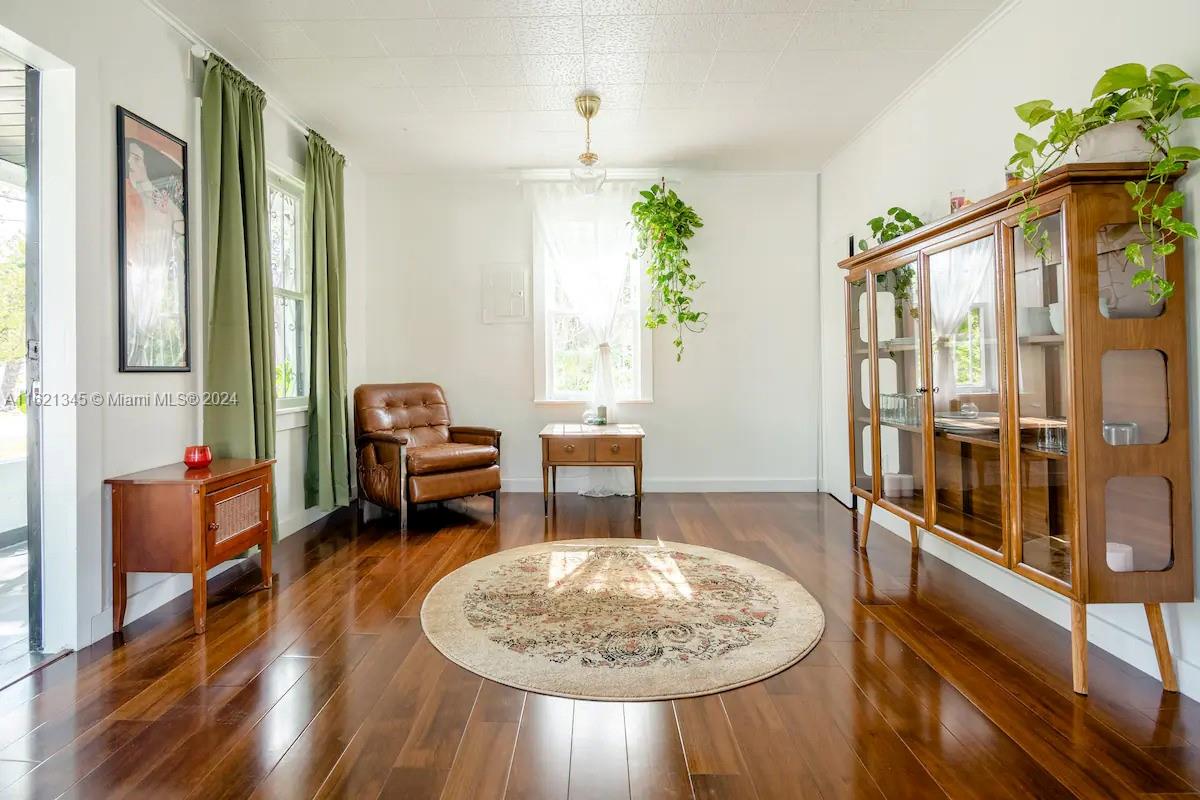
[603,347]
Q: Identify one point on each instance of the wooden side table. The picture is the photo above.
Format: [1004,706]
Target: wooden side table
[575,445]
[175,519]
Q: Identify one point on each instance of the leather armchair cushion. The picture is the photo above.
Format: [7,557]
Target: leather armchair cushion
[450,457]
[447,485]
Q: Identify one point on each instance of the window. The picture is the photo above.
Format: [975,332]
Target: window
[285,203]
[572,346]
[587,287]
[969,351]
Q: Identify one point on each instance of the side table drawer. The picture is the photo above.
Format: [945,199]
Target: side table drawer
[566,449]
[236,517]
[616,448]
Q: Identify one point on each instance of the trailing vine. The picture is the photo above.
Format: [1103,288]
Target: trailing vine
[1157,99]
[896,222]
[663,223]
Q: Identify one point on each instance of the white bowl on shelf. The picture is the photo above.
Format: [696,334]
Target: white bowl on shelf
[1058,319]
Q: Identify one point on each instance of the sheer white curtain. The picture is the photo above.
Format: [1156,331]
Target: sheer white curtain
[585,247]
[956,278]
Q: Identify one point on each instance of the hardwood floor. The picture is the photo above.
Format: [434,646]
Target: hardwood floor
[927,684]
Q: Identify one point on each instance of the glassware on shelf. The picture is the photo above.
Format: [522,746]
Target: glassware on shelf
[969,410]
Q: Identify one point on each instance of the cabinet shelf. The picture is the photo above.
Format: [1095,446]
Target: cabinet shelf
[1043,340]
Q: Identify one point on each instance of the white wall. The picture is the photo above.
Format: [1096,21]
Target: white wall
[122,53]
[737,414]
[954,131]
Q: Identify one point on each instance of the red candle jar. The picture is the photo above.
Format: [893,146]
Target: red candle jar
[197,456]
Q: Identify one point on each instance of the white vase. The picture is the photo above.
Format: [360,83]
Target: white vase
[1120,141]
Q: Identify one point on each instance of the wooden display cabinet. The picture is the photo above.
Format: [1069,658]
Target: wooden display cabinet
[1032,409]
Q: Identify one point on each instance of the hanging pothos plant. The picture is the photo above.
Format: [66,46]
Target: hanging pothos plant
[1156,100]
[663,224]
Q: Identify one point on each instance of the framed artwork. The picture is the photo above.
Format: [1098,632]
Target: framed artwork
[152,247]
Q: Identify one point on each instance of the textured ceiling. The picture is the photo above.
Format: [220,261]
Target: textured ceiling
[421,85]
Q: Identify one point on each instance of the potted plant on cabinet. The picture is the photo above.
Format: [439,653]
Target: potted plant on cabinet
[899,281]
[1127,98]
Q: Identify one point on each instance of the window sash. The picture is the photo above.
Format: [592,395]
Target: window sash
[280,181]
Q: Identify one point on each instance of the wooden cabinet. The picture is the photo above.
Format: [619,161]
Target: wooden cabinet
[1031,407]
[174,519]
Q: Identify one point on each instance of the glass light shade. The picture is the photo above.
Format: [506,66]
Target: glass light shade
[588,179]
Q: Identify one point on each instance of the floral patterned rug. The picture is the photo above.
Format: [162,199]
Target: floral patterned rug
[619,619]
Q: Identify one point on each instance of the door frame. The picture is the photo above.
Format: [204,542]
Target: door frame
[33,366]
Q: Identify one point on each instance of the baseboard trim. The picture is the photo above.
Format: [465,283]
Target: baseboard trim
[568,482]
[1118,629]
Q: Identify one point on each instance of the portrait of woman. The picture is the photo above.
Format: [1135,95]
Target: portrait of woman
[153,244]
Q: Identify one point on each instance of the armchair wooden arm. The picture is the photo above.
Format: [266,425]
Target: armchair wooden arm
[474,434]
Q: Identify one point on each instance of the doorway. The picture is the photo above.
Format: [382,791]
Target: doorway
[20,497]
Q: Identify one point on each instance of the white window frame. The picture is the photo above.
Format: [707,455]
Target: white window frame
[285,179]
[543,361]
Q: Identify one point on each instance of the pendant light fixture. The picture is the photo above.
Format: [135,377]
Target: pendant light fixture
[588,177]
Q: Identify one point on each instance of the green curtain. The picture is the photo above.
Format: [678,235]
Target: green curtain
[239,344]
[327,471]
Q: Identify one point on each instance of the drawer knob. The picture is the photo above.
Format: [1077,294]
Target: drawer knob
[212,526]
[570,448]
[616,448]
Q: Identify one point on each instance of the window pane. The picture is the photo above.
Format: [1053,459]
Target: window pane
[291,362]
[574,355]
[283,208]
[1134,391]
[1119,300]
[1137,510]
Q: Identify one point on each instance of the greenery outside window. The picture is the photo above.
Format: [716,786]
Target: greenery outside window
[969,352]
[285,205]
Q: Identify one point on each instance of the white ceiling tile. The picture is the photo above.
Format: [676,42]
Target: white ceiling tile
[413,37]
[445,98]
[619,34]
[557,121]
[594,7]
[467,9]
[492,70]
[548,35]
[430,71]
[618,97]
[552,98]
[480,37]
[658,96]
[343,38]
[615,68]
[740,67]
[684,33]
[774,6]
[554,70]
[731,95]
[501,98]
[302,71]
[380,72]
[545,8]
[698,6]
[277,40]
[677,67]
[758,31]
[394,9]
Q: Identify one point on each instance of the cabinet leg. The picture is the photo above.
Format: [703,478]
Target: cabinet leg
[864,525]
[1162,648]
[915,535]
[120,596]
[554,480]
[637,490]
[199,601]
[1079,677]
[545,490]
[264,557]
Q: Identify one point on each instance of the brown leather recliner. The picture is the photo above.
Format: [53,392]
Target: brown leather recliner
[409,453]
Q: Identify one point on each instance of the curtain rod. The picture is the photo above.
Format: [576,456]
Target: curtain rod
[201,49]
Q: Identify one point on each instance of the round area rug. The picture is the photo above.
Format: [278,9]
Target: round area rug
[613,619]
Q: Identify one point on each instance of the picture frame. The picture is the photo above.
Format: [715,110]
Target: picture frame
[153,244]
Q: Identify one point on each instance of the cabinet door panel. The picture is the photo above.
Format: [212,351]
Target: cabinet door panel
[968,465]
[860,386]
[901,391]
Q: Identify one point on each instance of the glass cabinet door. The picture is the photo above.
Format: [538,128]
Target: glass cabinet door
[1043,402]
[901,388]
[861,443]
[968,472]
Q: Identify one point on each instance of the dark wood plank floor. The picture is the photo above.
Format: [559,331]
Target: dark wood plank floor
[927,684]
